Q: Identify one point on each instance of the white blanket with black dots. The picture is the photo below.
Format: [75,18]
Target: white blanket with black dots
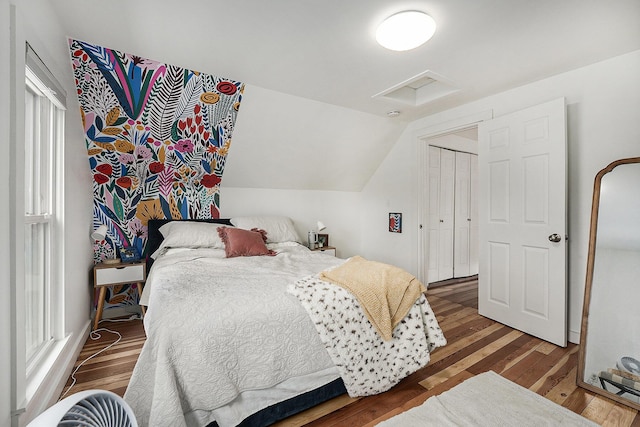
[367,363]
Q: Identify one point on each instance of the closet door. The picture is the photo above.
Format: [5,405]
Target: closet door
[447,217]
[462,220]
[453,210]
[433,225]
[441,213]
[474,234]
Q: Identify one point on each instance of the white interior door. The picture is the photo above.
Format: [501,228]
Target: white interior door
[462,222]
[522,213]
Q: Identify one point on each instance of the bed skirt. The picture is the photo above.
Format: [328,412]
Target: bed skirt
[292,406]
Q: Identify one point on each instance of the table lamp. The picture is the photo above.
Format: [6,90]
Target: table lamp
[100,233]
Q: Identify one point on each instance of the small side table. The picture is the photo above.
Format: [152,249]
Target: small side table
[331,250]
[105,275]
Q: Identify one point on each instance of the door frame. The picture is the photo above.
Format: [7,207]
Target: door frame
[422,138]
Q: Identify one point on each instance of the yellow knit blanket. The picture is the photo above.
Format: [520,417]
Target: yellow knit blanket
[386,293]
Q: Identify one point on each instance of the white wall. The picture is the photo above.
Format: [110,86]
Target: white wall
[338,210]
[35,22]
[5,289]
[324,147]
[603,105]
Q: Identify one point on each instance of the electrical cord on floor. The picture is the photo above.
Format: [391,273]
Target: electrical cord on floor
[96,335]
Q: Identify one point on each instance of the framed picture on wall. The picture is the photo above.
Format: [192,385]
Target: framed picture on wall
[323,240]
[395,222]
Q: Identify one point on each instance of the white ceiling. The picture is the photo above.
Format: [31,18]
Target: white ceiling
[325,50]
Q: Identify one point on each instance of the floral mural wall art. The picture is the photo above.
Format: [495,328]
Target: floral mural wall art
[157,137]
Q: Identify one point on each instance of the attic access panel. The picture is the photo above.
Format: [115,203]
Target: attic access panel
[419,90]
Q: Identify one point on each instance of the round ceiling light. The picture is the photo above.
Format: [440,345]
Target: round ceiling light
[405,30]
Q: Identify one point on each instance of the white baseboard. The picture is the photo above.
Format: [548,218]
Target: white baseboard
[574,337]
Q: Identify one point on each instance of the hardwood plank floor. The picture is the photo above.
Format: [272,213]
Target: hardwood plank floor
[475,345]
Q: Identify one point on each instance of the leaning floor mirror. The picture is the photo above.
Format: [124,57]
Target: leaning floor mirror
[609,354]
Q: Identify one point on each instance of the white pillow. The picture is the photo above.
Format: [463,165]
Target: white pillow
[191,234]
[279,228]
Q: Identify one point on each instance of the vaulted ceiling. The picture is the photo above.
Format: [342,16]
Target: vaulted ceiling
[321,55]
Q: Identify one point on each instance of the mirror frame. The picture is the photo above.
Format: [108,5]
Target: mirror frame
[588,284]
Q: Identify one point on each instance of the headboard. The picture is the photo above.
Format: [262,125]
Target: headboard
[155,237]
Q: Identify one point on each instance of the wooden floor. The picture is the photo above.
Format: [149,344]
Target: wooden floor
[475,345]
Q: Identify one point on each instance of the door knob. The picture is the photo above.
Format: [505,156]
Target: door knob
[555,238]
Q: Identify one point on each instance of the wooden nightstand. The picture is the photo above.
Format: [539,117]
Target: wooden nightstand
[331,250]
[105,275]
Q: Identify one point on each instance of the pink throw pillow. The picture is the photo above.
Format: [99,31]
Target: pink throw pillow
[239,242]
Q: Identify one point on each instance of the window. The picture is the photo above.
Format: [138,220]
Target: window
[44,130]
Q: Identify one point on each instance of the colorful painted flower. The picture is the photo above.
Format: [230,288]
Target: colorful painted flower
[143,152]
[149,209]
[224,150]
[100,179]
[124,182]
[209,97]
[227,88]
[210,180]
[156,167]
[105,169]
[124,146]
[184,146]
[137,229]
[127,159]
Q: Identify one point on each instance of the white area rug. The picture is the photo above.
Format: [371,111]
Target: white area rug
[487,400]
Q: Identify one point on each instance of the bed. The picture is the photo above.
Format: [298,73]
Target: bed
[231,340]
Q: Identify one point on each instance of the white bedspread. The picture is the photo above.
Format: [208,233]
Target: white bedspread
[367,363]
[217,327]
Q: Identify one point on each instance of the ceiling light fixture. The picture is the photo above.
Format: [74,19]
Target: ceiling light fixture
[405,30]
